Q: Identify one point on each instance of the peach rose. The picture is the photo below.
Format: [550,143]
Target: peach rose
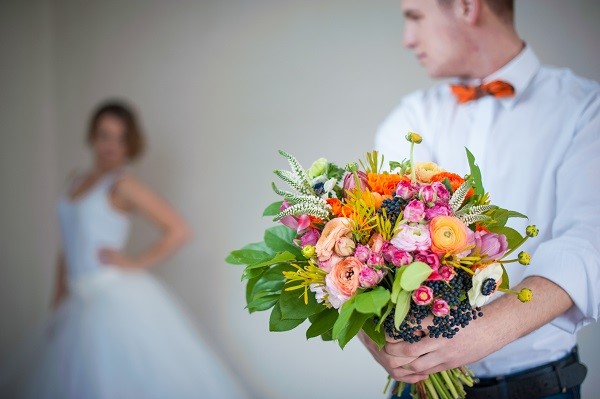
[426,170]
[344,277]
[448,235]
[334,230]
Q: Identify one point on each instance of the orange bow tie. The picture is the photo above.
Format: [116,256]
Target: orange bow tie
[497,88]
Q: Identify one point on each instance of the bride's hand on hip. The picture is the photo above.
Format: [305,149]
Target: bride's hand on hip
[114,257]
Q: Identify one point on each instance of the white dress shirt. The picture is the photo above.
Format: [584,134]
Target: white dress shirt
[539,154]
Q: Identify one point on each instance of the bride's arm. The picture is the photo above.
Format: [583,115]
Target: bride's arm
[132,195]
[60,286]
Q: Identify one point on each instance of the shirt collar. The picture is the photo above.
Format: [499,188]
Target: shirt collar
[518,72]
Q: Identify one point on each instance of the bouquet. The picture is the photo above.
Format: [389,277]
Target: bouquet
[385,252]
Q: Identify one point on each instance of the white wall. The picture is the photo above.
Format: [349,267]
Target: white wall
[221,86]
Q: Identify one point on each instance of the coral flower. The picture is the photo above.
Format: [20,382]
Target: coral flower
[343,281]
[448,235]
[426,170]
[455,181]
[385,183]
[333,231]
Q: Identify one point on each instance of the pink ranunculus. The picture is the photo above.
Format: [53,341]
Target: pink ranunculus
[331,234]
[375,259]
[441,191]
[422,295]
[446,272]
[328,264]
[405,190]
[370,277]
[376,242]
[414,211]
[395,256]
[362,253]
[344,246]
[350,181]
[427,193]
[493,245]
[440,308]
[412,238]
[428,257]
[438,209]
[342,281]
[310,237]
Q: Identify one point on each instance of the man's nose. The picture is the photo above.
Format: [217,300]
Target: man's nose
[408,39]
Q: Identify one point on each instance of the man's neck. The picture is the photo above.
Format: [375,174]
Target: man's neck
[492,51]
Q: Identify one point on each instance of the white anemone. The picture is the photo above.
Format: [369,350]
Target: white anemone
[476,297]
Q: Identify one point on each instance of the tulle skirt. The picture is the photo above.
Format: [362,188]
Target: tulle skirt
[118,335]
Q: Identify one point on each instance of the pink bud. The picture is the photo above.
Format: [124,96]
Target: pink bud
[422,295]
[440,308]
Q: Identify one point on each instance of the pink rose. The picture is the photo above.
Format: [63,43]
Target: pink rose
[362,253]
[428,257]
[375,259]
[350,181]
[446,272]
[439,209]
[414,211]
[427,193]
[376,242]
[441,191]
[333,231]
[310,237]
[342,281]
[395,256]
[412,238]
[440,308]
[405,190]
[369,277]
[345,246]
[422,295]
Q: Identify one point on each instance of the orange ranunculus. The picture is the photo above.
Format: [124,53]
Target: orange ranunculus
[448,235]
[344,276]
[384,184]
[332,232]
[336,206]
[455,181]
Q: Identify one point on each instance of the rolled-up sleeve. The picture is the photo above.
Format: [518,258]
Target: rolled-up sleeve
[571,257]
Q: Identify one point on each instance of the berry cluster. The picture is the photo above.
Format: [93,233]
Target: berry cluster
[392,207]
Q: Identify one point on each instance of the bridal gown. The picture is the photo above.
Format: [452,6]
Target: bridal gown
[118,334]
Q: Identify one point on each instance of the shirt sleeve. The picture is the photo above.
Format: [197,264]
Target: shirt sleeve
[390,139]
[571,258]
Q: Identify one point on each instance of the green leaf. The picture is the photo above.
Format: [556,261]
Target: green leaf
[396,287]
[343,318]
[281,238]
[387,312]
[262,302]
[273,209]
[414,274]
[277,323]
[515,214]
[322,322]
[247,256]
[279,258]
[513,237]
[475,174]
[293,307]
[402,307]
[327,336]
[505,282]
[251,273]
[448,185]
[334,172]
[376,334]
[499,217]
[349,331]
[271,280]
[373,301]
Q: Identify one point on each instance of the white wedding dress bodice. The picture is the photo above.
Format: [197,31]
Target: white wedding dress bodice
[119,333]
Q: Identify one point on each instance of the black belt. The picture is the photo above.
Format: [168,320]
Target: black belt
[548,379]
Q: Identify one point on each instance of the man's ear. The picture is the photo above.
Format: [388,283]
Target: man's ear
[469,10]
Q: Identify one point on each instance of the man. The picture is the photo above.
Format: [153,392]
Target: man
[535,133]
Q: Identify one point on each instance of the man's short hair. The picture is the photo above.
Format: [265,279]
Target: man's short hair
[504,9]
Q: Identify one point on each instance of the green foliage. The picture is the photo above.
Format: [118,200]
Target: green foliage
[475,175]
[376,334]
[321,322]
[293,307]
[334,172]
[372,302]
[402,307]
[414,274]
[513,237]
[505,282]
[278,323]
[273,209]
[280,238]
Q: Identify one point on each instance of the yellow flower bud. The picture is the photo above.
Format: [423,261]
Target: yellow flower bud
[414,137]
[531,231]
[525,295]
[524,258]
[308,251]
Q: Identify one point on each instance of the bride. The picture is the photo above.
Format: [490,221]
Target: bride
[115,332]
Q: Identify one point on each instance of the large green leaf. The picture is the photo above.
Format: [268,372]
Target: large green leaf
[513,237]
[402,307]
[293,306]
[263,301]
[277,323]
[250,287]
[373,301]
[376,334]
[414,274]
[475,174]
[322,322]
[279,258]
[247,256]
[515,214]
[271,280]
[281,238]
[396,287]
[505,281]
[273,209]
[349,330]
[344,317]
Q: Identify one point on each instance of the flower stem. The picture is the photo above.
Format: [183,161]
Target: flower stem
[413,175]
[449,383]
